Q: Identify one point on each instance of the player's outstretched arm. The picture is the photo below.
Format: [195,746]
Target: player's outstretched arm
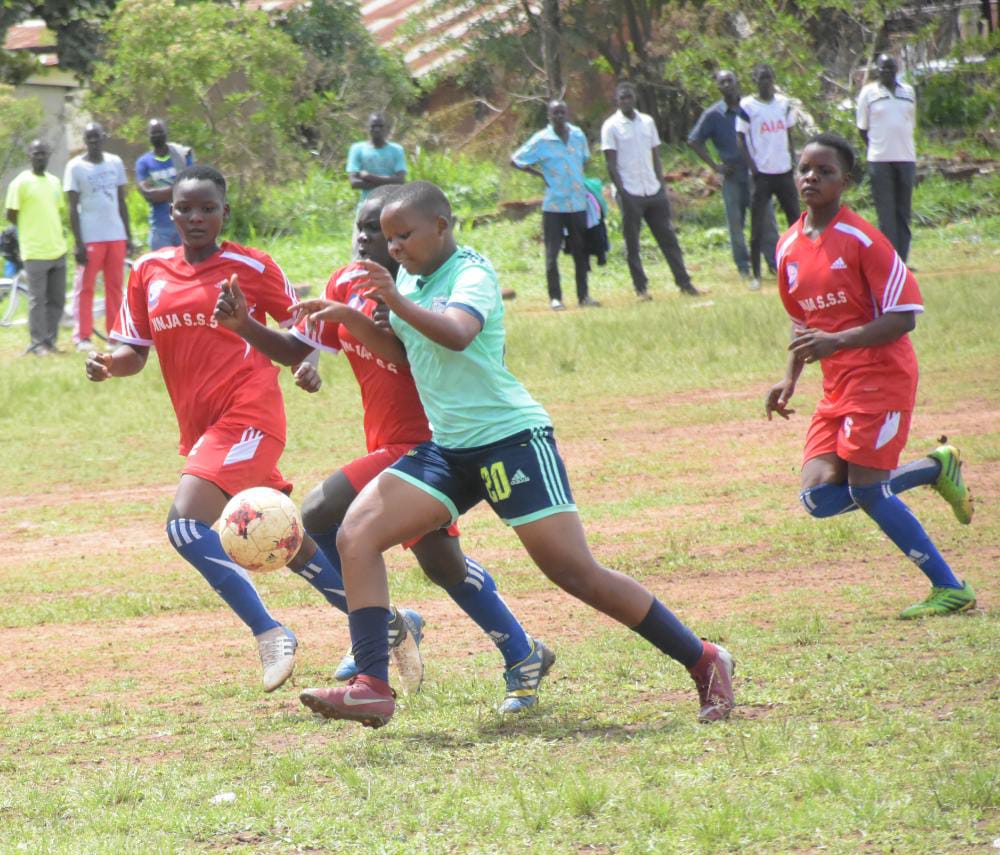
[231,312]
[123,362]
[454,328]
[380,340]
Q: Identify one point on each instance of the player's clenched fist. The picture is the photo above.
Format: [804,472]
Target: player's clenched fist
[98,366]
[307,377]
[231,308]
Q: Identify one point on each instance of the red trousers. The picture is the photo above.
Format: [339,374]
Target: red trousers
[102,256]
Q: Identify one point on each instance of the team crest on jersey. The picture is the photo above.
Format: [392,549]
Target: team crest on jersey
[155,288]
[793,275]
[439,304]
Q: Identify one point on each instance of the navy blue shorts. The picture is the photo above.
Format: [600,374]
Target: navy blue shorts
[522,477]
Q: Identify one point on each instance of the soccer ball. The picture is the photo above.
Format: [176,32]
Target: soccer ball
[260,529]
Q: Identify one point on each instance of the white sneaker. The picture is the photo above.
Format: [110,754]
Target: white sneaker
[277,656]
[406,629]
[84,346]
[754,284]
[556,305]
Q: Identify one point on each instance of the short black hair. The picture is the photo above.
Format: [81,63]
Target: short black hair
[624,84]
[758,69]
[840,145]
[202,172]
[422,195]
[382,193]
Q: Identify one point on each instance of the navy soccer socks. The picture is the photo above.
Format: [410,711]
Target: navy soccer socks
[478,597]
[370,641]
[323,569]
[199,545]
[905,530]
[663,630]
[829,500]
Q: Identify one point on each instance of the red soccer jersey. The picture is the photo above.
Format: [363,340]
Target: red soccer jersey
[393,412]
[846,278]
[213,376]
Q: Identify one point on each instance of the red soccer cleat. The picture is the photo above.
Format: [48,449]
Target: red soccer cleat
[366,699]
[713,675]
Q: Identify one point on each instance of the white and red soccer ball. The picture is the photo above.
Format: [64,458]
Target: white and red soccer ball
[260,529]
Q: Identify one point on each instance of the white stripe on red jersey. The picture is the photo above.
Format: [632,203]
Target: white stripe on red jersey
[853,232]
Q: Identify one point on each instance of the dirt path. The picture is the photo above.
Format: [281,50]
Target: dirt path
[102,663]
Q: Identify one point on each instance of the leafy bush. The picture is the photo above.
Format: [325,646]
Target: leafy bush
[955,99]
[19,119]
[965,95]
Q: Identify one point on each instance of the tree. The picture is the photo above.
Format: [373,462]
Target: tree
[221,76]
[670,48]
[551,27]
[347,75]
[20,120]
[76,23]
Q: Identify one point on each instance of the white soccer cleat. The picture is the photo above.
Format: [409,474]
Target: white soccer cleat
[406,629]
[277,656]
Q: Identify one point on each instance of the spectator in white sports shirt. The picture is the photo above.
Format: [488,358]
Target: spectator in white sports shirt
[886,118]
[763,132]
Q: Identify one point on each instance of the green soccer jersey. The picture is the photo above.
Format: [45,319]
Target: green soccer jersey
[470,397]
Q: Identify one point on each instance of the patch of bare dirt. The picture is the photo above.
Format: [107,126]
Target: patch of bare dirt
[111,664]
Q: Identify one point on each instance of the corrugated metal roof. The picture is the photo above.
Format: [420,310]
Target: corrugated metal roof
[433,48]
[30,35]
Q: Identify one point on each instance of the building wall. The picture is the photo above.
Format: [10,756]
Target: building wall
[58,96]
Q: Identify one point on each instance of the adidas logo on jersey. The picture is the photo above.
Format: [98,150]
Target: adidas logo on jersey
[839,264]
[519,478]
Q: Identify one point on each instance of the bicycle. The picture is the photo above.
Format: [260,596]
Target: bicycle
[12,290]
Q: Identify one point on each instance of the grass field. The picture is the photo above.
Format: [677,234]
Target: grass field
[130,715]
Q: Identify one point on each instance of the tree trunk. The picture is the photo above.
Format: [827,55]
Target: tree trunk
[551,46]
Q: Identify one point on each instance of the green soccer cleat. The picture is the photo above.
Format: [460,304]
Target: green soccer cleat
[942,601]
[950,483]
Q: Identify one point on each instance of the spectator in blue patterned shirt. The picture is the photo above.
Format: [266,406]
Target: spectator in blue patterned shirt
[556,154]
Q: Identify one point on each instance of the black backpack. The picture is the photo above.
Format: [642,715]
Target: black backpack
[9,247]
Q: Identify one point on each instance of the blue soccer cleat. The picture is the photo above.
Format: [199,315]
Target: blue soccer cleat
[347,668]
[524,678]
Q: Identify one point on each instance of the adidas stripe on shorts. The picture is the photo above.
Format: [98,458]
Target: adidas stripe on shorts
[522,477]
[234,457]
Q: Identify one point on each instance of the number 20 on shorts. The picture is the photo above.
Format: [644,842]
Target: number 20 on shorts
[496,481]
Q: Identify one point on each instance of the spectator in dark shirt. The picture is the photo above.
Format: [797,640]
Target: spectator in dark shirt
[718,124]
